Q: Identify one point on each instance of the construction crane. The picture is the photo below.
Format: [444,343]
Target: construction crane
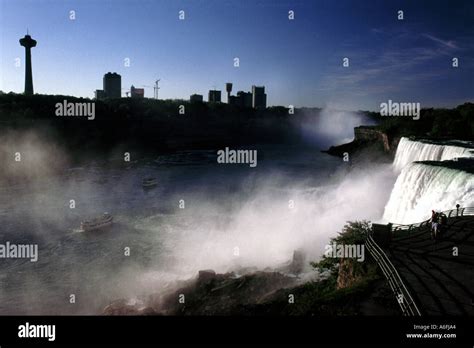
[127,92]
[156,88]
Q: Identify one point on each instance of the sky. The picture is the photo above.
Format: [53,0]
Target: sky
[300,61]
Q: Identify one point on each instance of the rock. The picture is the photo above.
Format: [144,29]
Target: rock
[205,276]
[123,307]
[298,262]
[364,136]
[246,270]
[346,276]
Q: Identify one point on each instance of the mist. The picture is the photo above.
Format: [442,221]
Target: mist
[277,219]
[235,218]
[26,156]
[281,214]
[331,126]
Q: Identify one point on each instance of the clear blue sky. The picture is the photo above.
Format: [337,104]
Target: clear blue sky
[299,62]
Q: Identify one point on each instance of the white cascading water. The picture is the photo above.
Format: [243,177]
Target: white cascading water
[421,187]
[409,151]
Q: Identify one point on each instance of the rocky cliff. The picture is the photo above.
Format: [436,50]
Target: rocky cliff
[347,276]
[367,138]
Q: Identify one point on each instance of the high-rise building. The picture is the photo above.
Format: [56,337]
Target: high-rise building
[99,94]
[233,100]
[228,88]
[112,85]
[196,98]
[214,96]
[28,43]
[259,98]
[137,92]
[244,99]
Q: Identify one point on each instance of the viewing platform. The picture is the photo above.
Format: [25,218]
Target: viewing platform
[438,274]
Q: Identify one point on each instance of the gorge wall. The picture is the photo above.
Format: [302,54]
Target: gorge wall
[367,137]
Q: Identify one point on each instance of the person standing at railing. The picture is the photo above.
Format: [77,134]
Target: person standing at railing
[434,224]
[442,224]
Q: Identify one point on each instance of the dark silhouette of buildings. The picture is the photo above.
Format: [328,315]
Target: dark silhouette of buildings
[137,92]
[256,99]
[196,98]
[245,99]
[232,100]
[214,96]
[112,87]
[28,43]
[99,94]
[242,99]
[228,88]
[259,98]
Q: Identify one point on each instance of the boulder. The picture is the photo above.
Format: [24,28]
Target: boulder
[298,262]
[205,276]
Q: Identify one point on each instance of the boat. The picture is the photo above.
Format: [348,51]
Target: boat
[149,182]
[97,223]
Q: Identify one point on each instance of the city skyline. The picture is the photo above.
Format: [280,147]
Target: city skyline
[300,61]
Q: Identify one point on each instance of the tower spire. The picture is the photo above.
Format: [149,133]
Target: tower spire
[28,43]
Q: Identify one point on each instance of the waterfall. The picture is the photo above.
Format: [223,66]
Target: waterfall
[409,151]
[422,187]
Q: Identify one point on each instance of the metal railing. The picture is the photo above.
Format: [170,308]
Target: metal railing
[449,213]
[403,297]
